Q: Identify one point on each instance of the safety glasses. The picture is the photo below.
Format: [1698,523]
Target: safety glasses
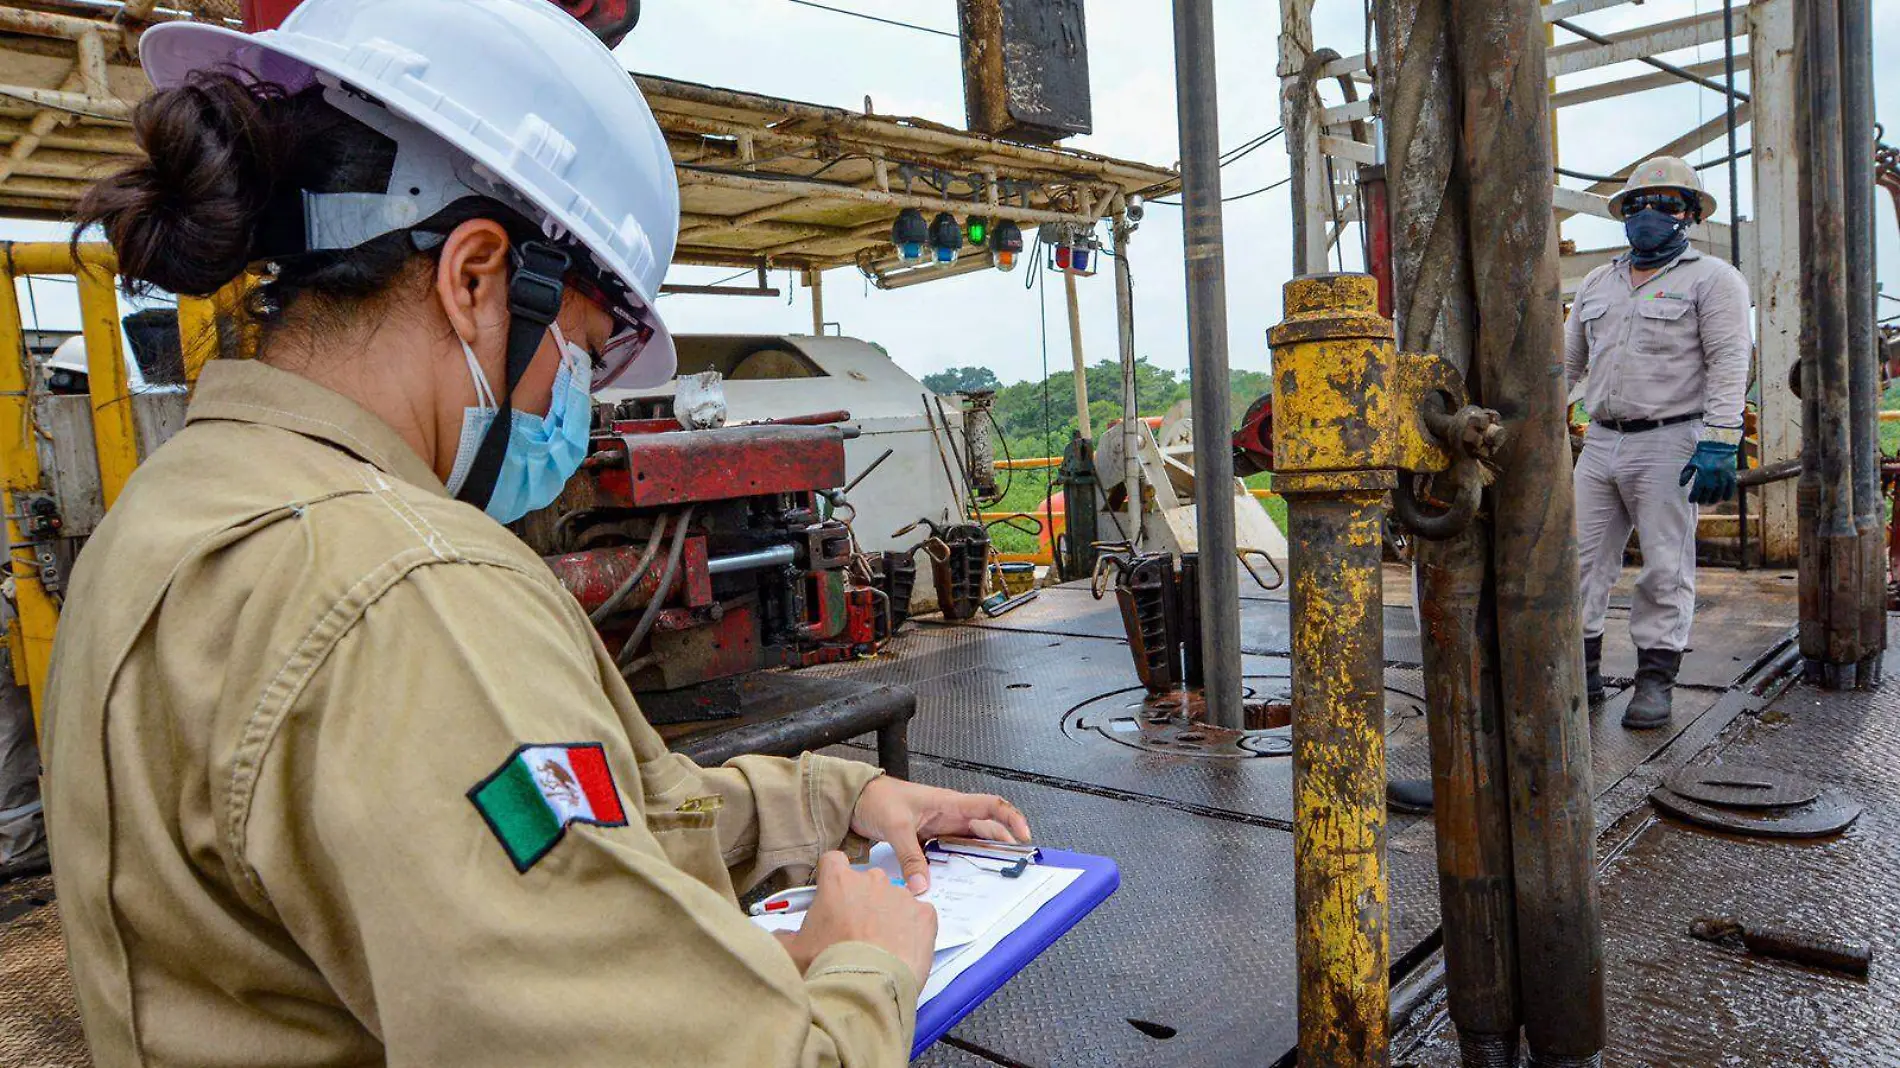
[1667,203]
[634,331]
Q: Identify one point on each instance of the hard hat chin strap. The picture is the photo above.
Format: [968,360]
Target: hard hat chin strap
[534,299]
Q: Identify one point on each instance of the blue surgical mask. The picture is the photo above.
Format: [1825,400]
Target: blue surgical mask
[1655,238]
[543,451]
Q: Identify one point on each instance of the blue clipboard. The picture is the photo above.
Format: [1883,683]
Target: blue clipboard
[1100,876]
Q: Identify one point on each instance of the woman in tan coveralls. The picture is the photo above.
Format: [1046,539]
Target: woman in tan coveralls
[339,774]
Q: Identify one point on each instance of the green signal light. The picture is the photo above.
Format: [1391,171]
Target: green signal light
[979,231]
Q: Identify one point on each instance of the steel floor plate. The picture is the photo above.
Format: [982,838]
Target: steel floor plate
[997,699]
[1264,625]
[37,1004]
[1676,1001]
[1204,902]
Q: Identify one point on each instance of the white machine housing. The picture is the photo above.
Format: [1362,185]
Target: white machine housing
[778,376]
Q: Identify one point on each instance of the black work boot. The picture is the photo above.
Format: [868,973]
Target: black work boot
[1655,681]
[1409,795]
[1593,669]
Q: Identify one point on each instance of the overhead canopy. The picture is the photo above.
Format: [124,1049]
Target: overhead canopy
[800,185]
[763,181]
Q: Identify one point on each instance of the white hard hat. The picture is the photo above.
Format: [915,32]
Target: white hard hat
[1664,174]
[511,99]
[69,356]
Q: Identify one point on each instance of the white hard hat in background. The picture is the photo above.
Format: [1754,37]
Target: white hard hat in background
[1663,174]
[69,356]
[511,99]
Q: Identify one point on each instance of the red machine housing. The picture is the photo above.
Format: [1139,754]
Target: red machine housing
[764,576]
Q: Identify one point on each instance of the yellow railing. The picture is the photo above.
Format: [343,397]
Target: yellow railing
[114,426]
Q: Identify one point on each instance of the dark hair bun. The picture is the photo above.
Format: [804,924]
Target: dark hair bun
[184,217]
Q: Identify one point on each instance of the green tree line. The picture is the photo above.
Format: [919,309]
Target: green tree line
[1038,418]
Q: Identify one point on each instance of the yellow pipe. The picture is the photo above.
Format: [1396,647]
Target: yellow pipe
[1026,558]
[1342,421]
[56,257]
[197,333]
[113,428]
[1890,417]
[1029,464]
[20,477]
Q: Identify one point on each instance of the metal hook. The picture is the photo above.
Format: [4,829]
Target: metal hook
[1279,577]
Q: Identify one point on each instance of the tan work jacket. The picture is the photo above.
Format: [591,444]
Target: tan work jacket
[287,662]
[1677,344]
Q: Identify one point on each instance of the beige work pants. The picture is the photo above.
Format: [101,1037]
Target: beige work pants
[1634,481]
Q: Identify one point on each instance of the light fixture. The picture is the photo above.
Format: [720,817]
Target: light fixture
[1062,253]
[946,237]
[977,229]
[910,234]
[1006,241]
[1079,260]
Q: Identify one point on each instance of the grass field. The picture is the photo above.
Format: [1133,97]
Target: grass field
[1027,489]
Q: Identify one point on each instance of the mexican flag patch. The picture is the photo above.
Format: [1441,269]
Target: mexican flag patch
[530,800]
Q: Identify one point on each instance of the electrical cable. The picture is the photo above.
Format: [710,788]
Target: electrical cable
[749,271]
[1586,176]
[1232,155]
[1339,228]
[1268,188]
[1048,494]
[875,18]
[619,596]
[665,590]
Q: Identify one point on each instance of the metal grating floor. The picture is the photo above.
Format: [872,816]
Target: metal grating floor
[37,1008]
[1677,1001]
[1199,940]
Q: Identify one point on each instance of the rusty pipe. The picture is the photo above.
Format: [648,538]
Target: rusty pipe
[1338,404]
[1862,333]
[1339,878]
[1779,471]
[1831,636]
[1504,153]
[1435,307]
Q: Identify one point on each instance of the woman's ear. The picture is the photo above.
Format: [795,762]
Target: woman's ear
[471,279]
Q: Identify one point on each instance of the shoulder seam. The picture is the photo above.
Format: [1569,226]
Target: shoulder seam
[432,537]
[267,716]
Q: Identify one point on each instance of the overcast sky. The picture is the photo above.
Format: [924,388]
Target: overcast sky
[788,49]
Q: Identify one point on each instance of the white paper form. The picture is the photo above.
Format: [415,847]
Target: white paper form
[976,907]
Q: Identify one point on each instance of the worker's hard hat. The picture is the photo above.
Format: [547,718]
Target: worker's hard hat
[69,356]
[510,99]
[1663,173]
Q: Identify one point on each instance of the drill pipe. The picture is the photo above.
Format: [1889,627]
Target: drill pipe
[1504,137]
[1339,886]
[1863,334]
[1207,360]
[1433,304]
[1833,642]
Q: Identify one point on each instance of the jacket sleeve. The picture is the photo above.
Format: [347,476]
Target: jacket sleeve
[1576,346]
[779,815]
[479,927]
[1723,315]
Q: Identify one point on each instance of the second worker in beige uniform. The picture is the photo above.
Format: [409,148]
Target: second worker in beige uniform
[293,666]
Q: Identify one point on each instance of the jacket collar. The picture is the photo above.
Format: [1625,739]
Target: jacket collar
[1689,254]
[246,391]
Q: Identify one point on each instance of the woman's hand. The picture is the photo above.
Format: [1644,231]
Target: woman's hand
[863,906]
[905,814]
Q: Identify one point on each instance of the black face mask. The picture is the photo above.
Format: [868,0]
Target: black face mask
[1655,238]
